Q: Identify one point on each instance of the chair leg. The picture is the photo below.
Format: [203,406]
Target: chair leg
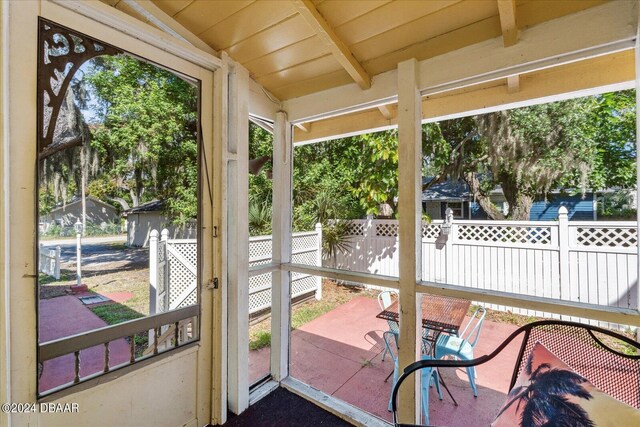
[395,380]
[384,353]
[425,403]
[435,377]
[472,381]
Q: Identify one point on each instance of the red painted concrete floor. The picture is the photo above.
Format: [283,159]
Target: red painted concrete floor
[66,316]
[340,353]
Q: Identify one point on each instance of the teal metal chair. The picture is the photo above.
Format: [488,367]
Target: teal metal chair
[461,347]
[427,375]
[385,299]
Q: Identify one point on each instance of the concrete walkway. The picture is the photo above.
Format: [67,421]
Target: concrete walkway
[340,353]
[65,316]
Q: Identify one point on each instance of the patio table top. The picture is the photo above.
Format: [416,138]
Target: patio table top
[439,313]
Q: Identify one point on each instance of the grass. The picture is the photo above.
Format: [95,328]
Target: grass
[261,339]
[333,295]
[115,313]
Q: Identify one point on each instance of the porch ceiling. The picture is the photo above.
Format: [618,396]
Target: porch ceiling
[297,47]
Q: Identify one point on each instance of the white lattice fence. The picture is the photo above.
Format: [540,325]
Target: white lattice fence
[593,262]
[305,248]
[179,277]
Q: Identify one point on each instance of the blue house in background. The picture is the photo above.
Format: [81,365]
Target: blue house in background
[458,197]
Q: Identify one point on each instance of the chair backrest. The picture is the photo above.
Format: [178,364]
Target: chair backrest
[610,361]
[472,333]
[385,298]
[392,345]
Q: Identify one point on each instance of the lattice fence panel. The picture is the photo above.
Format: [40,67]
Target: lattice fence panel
[190,300]
[387,230]
[505,234]
[355,229]
[304,242]
[308,258]
[431,231]
[181,277]
[303,285]
[259,249]
[256,282]
[187,250]
[259,292]
[607,236]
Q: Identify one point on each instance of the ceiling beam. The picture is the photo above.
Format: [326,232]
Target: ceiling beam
[157,17]
[597,75]
[336,46]
[507,10]
[593,32]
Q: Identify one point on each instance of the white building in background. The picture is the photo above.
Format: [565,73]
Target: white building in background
[149,216]
[98,213]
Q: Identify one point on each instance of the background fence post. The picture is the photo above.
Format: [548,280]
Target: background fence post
[164,237]
[41,257]
[56,270]
[564,290]
[153,270]
[319,261]
[448,247]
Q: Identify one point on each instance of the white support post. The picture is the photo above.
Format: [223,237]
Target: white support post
[637,57]
[319,261]
[564,290]
[153,271]
[281,281]
[238,239]
[410,223]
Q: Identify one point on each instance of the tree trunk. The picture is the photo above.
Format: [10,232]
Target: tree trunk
[521,211]
[484,201]
[518,198]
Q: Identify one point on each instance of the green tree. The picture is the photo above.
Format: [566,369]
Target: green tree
[575,144]
[146,135]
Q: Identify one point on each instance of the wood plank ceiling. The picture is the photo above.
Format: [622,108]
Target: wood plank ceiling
[297,47]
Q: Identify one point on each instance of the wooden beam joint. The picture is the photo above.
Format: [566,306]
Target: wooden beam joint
[335,45]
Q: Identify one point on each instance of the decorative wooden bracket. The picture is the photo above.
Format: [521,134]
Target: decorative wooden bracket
[61,54]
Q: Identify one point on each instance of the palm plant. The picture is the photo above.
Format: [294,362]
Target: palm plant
[335,232]
[259,218]
[545,398]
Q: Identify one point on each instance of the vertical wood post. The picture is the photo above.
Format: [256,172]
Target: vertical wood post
[319,261]
[563,290]
[153,271]
[238,239]
[281,280]
[410,224]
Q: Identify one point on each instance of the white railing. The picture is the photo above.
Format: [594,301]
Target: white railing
[593,262]
[173,270]
[49,261]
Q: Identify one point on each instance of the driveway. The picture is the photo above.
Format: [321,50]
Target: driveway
[99,253]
